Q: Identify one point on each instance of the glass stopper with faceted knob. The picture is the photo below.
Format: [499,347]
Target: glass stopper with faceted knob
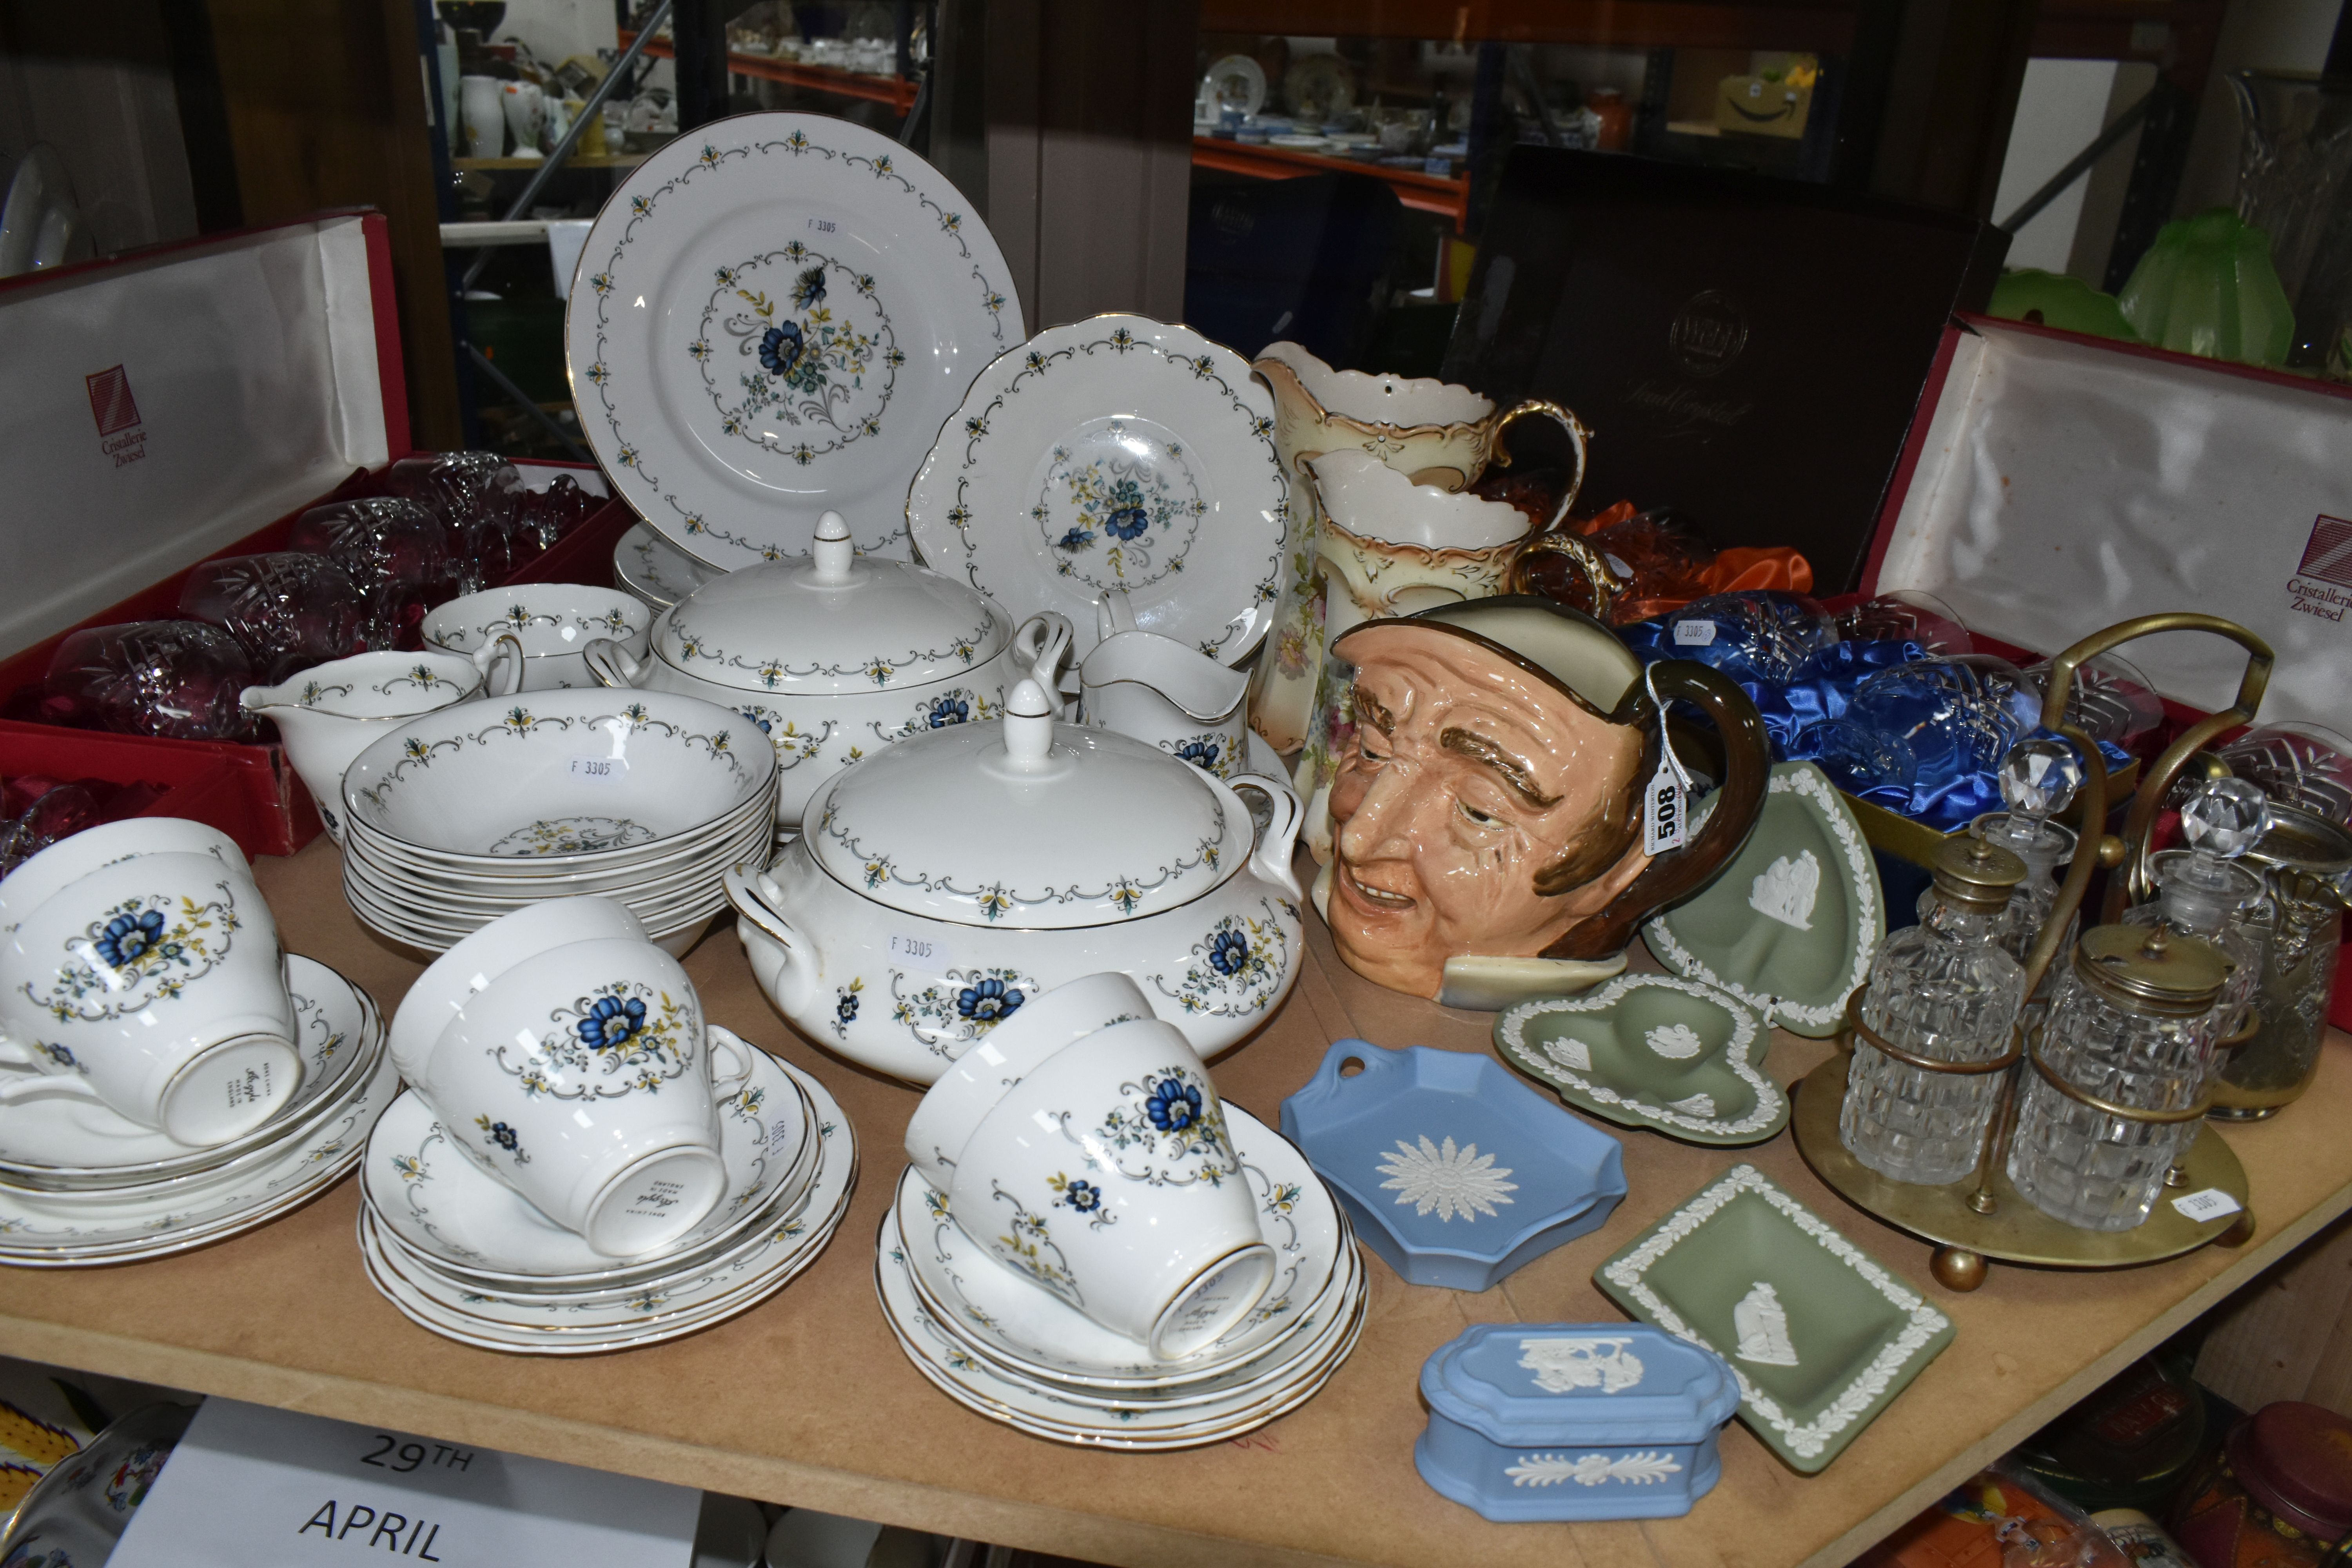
[2225,818]
[2039,777]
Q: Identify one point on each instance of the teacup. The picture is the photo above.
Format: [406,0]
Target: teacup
[554,622]
[973,1084]
[157,987]
[441,993]
[331,713]
[582,1079]
[44,876]
[1170,696]
[1106,1176]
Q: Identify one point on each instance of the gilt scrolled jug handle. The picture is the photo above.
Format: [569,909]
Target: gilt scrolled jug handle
[1578,435]
[1678,873]
[1577,553]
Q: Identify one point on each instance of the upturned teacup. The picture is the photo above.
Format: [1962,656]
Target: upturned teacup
[583,1080]
[44,876]
[441,993]
[976,1080]
[1106,1176]
[157,987]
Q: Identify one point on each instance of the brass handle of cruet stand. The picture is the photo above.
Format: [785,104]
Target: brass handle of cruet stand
[1587,560]
[2135,884]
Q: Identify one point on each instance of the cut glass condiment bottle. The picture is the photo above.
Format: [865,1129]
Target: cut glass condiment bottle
[1943,989]
[2201,894]
[2039,778]
[2132,1024]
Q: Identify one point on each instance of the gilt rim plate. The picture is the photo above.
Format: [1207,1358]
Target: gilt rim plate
[1122,454]
[773,315]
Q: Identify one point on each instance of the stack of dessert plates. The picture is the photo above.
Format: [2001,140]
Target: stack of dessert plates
[462,1253]
[470,813]
[993,1341]
[81,1186]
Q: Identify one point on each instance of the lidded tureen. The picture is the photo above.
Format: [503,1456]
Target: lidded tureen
[836,656]
[944,881]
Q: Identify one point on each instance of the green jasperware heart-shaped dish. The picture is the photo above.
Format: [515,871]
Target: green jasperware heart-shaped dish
[1653,1052]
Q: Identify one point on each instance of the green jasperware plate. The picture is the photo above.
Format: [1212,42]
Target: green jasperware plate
[1821,1334]
[1651,1051]
[1791,925]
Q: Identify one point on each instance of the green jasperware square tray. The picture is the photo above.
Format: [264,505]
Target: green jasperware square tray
[1821,1334]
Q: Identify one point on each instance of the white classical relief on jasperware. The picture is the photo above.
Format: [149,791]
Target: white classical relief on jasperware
[1564,1363]
[1570,1052]
[1786,890]
[1591,1470]
[1762,1325]
[1447,1180]
[1675,1042]
[1699,1105]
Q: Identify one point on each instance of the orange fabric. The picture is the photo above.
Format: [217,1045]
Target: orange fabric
[1751,567]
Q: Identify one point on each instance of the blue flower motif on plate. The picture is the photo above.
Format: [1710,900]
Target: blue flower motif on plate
[988,1002]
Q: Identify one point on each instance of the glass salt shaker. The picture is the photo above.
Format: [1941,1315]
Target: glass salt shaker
[1945,990]
[2200,894]
[2133,1025]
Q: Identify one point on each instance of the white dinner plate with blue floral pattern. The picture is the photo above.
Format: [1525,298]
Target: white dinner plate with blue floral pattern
[771,317]
[1119,453]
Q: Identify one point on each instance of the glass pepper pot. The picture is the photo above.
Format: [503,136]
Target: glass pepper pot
[1945,991]
[2201,894]
[2118,1075]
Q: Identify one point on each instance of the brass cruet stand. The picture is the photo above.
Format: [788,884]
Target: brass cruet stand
[1982,1219]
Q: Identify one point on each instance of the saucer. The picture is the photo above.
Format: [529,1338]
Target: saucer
[1116,453]
[451,1210]
[131,1230]
[1035,1333]
[654,569]
[83,1144]
[1654,1051]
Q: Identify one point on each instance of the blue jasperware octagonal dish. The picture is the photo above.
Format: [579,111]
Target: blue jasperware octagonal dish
[1454,1170]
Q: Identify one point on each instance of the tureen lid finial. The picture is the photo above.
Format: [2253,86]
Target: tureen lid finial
[1028,728]
[832,551]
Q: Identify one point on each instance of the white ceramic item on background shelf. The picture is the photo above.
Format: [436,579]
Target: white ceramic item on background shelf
[526,113]
[976,1080]
[552,623]
[71,858]
[1159,691]
[434,997]
[331,713]
[1108,1177]
[553,1076]
[950,878]
[1118,454]
[770,320]
[485,116]
[155,987]
[834,656]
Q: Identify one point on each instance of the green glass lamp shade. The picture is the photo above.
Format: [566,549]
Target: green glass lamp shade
[2054,300]
[2206,287]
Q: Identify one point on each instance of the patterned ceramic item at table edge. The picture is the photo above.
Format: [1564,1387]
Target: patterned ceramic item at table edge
[654,569]
[553,623]
[1759,1332]
[30,1239]
[1036,1332]
[491,1226]
[1609,1077]
[44,1145]
[1573,1421]
[741,369]
[61,1520]
[1419,1117]
[834,656]
[776,1200]
[1806,856]
[691,1286]
[1038,496]
[502,771]
[1025,854]
[998,1393]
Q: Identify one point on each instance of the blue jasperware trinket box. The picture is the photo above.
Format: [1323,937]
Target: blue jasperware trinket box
[1573,1421]
[1453,1171]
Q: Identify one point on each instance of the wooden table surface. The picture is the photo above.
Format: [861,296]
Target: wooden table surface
[807,1400]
